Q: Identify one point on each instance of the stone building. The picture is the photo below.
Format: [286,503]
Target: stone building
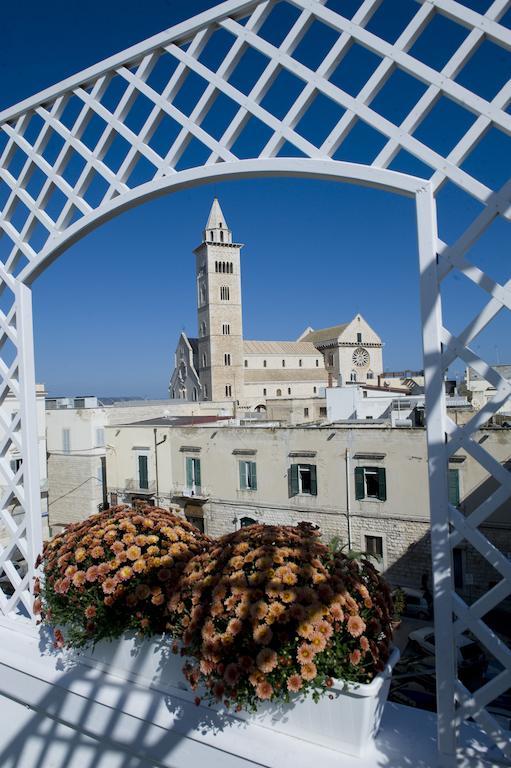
[365,483]
[221,365]
[76,449]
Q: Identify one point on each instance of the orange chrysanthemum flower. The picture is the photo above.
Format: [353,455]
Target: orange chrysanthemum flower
[309,670]
[356,626]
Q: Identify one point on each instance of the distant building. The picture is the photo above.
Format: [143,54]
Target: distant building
[220,365]
[75,430]
[480,391]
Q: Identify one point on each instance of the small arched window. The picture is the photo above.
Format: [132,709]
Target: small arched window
[195,393]
[247,521]
[264,363]
[246,363]
[227,359]
[353,376]
[224,293]
[289,390]
[221,237]
[370,375]
[300,362]
[315,389]
[317,363]
[264,391]
[279,393]
[283,363]
[228,390]
[226,329]
[231,268]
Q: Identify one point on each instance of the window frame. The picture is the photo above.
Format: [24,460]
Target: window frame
[195,475]
[361,483]
[365,533]
[142,455]
[247,475]
[295,482]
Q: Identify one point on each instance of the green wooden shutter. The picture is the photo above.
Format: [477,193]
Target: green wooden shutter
[314,480]
[197,472]
[143,477]
[454,487]
[382,482]
[189,473]
[359,483]
[253,475]
[292,480]
[243,479]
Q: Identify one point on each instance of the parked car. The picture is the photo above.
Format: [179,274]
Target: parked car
[416,605]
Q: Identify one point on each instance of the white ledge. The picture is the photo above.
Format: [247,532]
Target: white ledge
[75,715]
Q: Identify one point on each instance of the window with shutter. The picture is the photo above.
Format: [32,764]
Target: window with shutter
[193,473]
[314,480]
[248,479]
[454,487]
[143,475]
[370,483]
[382,481]
[253,475]
[292,480]
[243,475]
[359,483]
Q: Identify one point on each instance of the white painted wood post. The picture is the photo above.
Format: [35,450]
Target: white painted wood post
[29,428]
[431,313]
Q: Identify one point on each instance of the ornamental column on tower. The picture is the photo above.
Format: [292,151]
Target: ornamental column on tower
[220,342]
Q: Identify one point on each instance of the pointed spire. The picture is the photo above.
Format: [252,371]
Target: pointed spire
[217,230]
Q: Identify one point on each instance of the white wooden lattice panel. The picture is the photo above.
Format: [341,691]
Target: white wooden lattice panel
[69,158]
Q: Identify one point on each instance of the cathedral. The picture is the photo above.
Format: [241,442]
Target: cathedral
[220,365]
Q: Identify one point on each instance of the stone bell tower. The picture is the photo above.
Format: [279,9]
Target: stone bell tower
[220,344]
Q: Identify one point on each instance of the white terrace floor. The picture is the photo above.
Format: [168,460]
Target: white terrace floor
[54,715]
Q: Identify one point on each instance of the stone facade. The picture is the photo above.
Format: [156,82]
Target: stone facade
[391,517]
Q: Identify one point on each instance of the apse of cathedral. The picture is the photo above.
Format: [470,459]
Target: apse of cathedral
[220,365]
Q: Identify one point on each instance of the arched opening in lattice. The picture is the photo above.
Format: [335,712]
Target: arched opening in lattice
[77,153]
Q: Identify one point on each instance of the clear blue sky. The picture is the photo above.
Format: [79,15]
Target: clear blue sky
[108,313]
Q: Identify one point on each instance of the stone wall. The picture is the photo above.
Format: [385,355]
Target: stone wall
[75,488]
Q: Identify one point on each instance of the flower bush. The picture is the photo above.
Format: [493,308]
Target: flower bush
[270,611]
[114,571]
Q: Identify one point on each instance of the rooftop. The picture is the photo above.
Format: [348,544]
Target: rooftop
[279,348]
[325,334]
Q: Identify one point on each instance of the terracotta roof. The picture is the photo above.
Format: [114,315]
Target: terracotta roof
[325,334]
[285,375]
[279,348]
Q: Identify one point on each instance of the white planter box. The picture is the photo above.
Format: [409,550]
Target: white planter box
[348,723]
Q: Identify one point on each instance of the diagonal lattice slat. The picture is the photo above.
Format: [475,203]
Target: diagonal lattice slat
[73,155]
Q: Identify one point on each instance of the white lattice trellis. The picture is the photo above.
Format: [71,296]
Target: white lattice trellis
[73,156]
